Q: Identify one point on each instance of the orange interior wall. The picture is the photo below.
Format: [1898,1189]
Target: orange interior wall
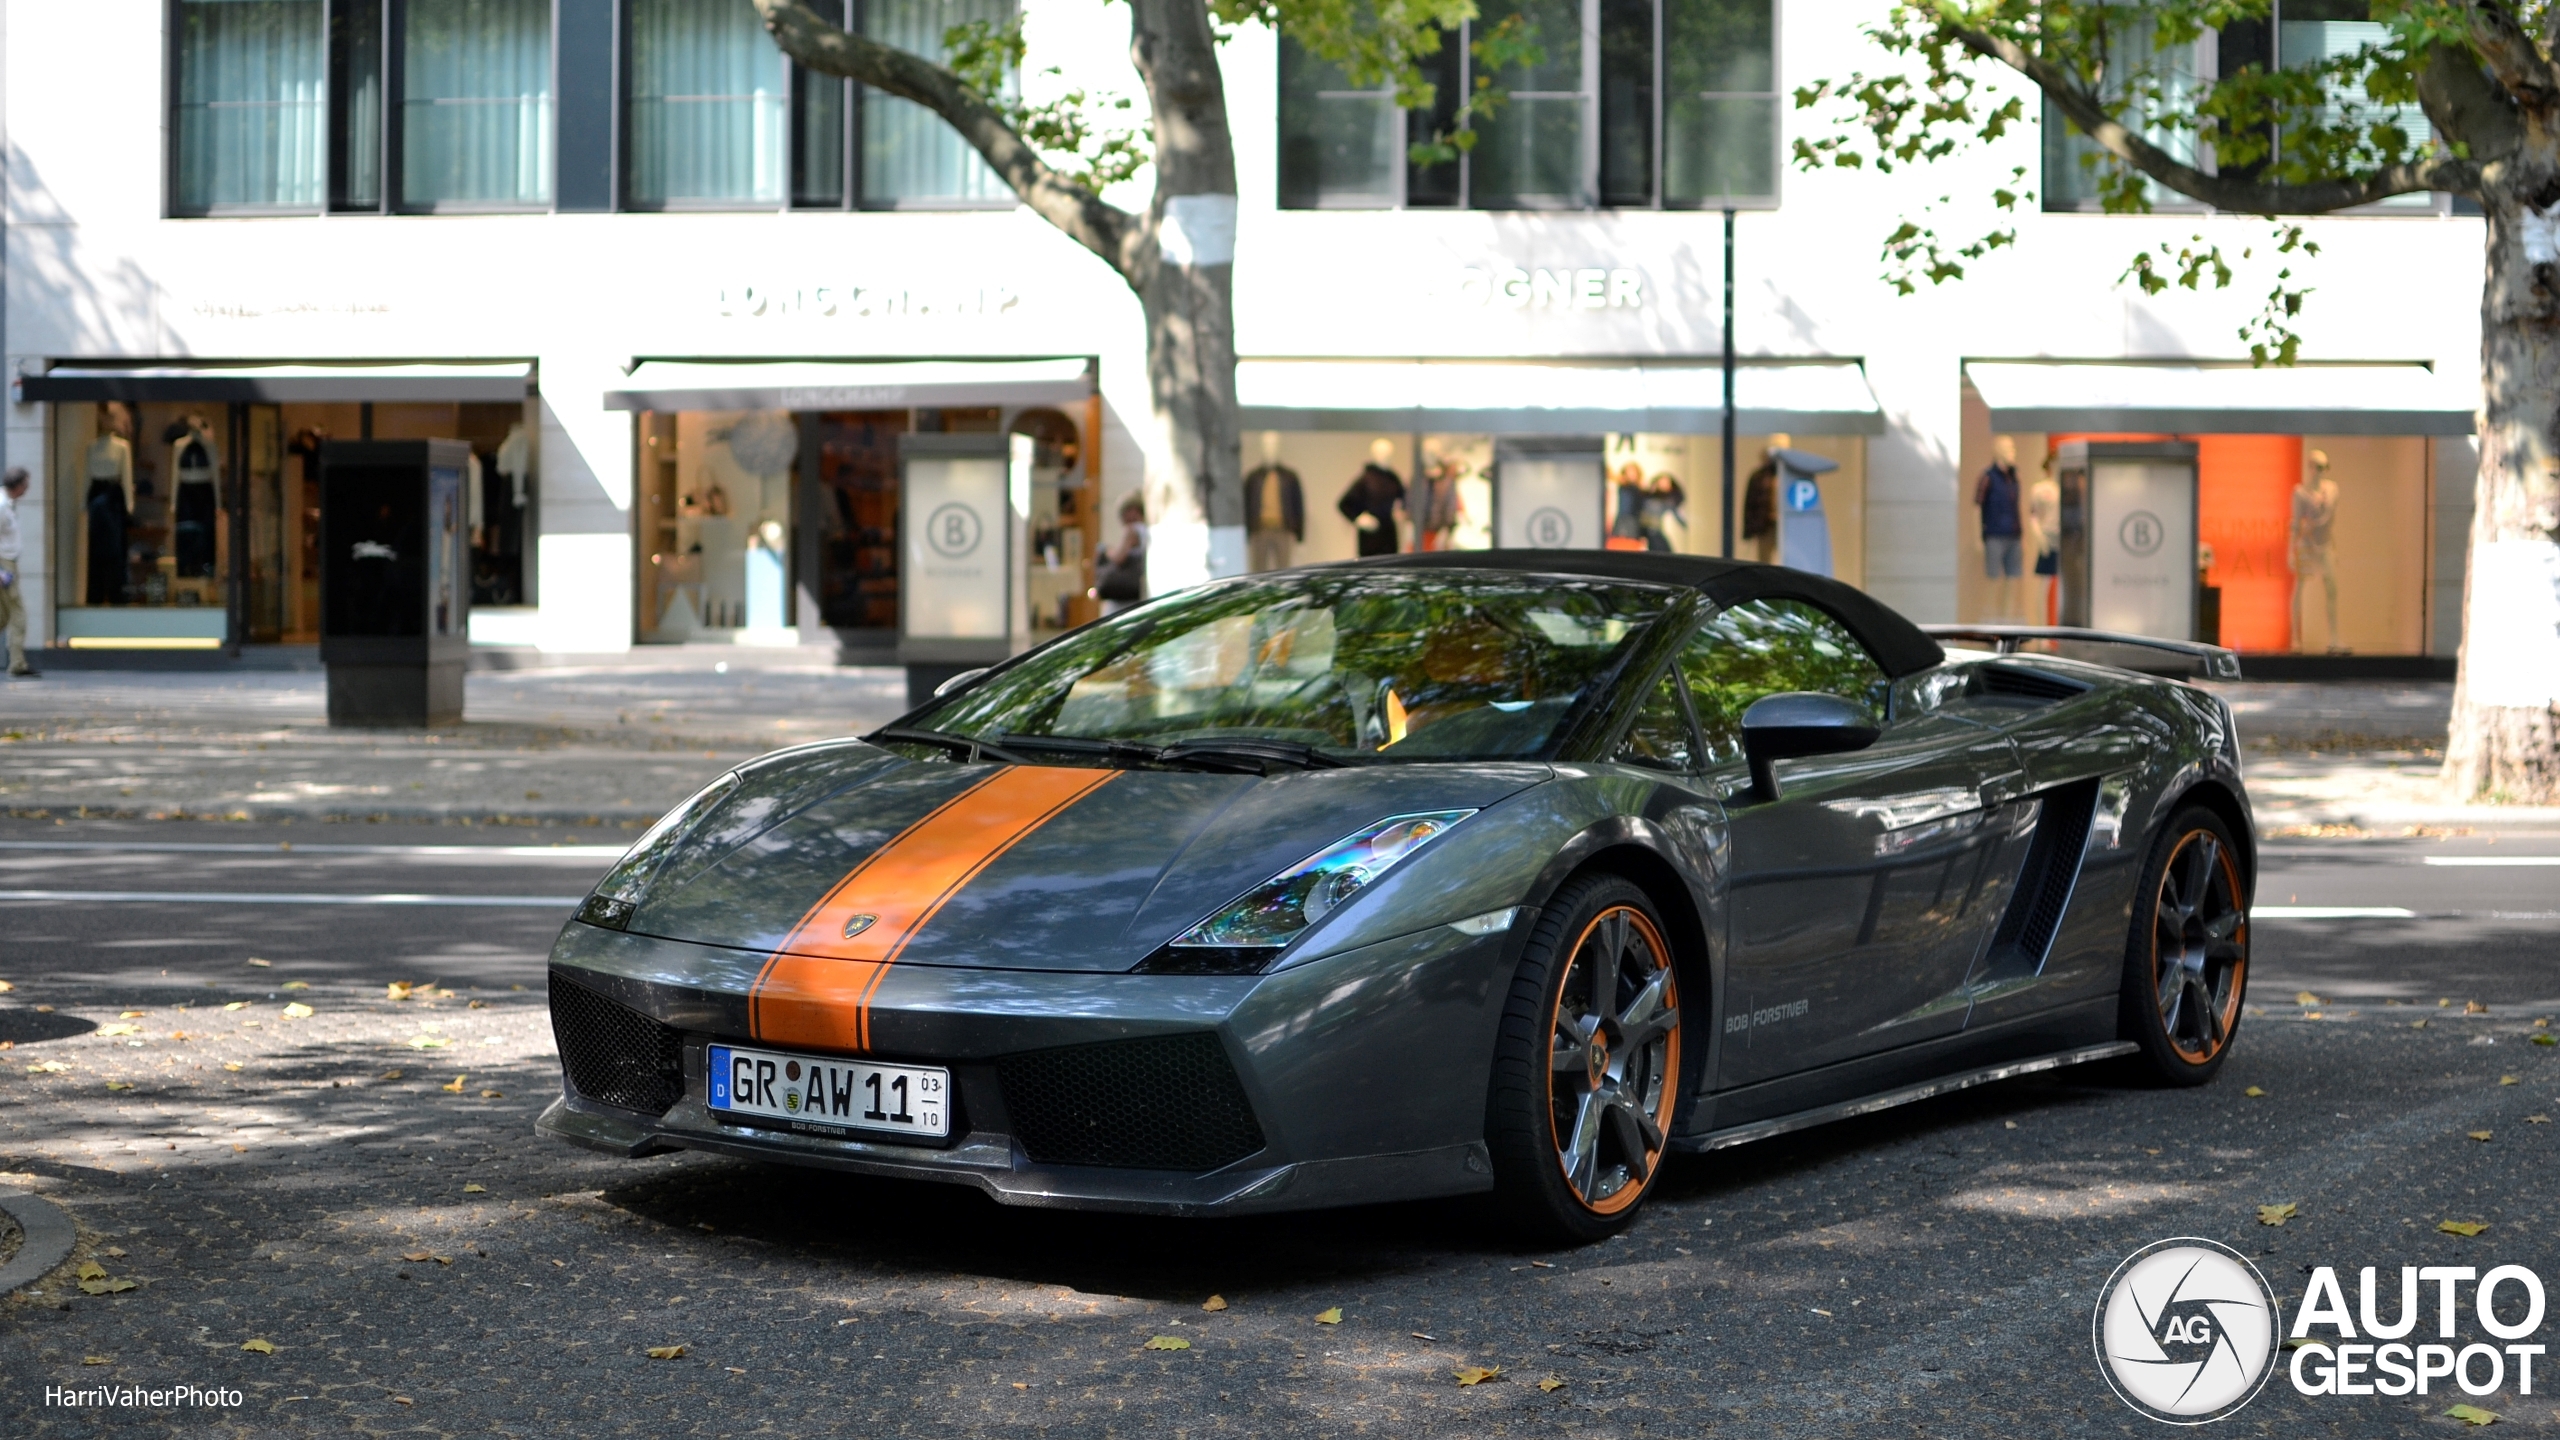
[2244,506]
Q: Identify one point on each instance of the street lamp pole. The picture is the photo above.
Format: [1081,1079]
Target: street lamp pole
[1727,526]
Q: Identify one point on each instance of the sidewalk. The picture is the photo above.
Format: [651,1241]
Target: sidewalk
[2339,757]
[557,744]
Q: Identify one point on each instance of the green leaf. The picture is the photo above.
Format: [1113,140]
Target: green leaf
[2473,1415]
[2277,1214]
[1168,1342]
[2465,1228]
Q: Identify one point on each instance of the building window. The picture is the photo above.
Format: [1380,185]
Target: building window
[252,105]
[706,118]
[475,103]
[855,145]
[1633,104]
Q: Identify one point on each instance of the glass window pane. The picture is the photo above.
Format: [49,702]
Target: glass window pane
[2301,42]
[355,98]
[1446,69]
[1659,739]
[252,103]
[817,127]
[2074,166]
[475,102]
[1339,146]
[1720,101]
[706,121]
[908,153]
[1626,102]
[1529,152]
[1767,647]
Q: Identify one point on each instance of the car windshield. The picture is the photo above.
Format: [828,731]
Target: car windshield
[1335,665]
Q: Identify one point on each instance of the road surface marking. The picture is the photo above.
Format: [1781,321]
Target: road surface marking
[2330,912]
[283,897]
[2493,860]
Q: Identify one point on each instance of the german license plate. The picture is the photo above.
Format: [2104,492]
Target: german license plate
[807,1090]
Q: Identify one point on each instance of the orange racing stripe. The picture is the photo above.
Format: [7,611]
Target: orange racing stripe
[817,988]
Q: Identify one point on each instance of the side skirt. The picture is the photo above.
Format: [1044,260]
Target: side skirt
[1868,1105]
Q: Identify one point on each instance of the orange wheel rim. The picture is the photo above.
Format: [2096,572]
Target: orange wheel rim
[2199,947]
[1613,1059]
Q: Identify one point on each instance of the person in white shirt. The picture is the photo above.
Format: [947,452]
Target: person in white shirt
[13,610]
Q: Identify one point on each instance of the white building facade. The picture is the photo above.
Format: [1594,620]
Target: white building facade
[688,307]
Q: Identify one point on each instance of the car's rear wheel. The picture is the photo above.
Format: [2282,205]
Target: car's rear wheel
[2187,958]
[1587,1073]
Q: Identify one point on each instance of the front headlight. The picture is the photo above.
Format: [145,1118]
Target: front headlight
[1273,913]
[619,892]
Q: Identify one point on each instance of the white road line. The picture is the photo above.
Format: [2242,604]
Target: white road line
[181,847]
[2499,860]
[282,897]
[2330,912]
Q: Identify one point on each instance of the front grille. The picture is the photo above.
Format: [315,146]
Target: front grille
[614,1054]
[1171,1102]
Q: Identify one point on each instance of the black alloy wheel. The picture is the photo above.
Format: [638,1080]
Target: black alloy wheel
[1588,1069]
[2187,957]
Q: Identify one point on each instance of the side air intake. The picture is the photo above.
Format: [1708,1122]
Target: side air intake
[613,1053]
[2044,885]
[2019,683]
[1166,1102]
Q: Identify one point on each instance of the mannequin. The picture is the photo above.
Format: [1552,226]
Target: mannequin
[515,460]
[2044,519]
[108,506]
[1661,510]
[1374,501]
[1626,508]
[1760,502]
[1996,496]
[193,504]
[1275,510]
[2315,509]
[1433,501]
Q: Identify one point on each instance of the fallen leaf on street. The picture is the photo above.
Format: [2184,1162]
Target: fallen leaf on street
[119,1030]
[2460,1227]
[47,1067]
[95,1360]
[399,989]
[237,1005]
[2276,1214]
[236,1145]
[2537,1119]
[493,1095]
[295,985]
[2417,1024]
[132,1014]
[261,964]
[2509,1080]
[6,987]
[2545,1037]
[2477,1134]
[1477,1374]
[2473,1415]
[1551,1384]
[113,1252]
[2253,1092]
[428,1042]
[297,1011]
[390,1075]
[2474,1007]
[91,1270]
[666,1352]
[1214,1304]
[1332,1316]
[2442,1002]
[1542,1265]
[421,1257]
[475,1188]
[402,1400]
[118,1085]
[105,1287]
[1168,1342]
[2305,997]
[456,1086]
[230,1064]
[259,1347]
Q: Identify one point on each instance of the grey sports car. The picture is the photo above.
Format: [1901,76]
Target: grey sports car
[1464,871]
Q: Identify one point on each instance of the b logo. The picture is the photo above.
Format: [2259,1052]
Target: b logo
[1550,528]
[2185,1331]
[953,530]
[2142,532]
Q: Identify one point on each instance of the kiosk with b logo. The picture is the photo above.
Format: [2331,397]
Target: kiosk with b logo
[2129,536]
[964,502]
[1548,493]
[395,580]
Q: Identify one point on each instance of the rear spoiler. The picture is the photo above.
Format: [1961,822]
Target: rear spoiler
[2212,662]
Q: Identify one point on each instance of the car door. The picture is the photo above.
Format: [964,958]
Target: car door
[1857,900]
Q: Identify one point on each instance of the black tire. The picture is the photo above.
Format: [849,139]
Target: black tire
[1578,1129]
[2186,964]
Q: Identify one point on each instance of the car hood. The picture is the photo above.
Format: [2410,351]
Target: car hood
[1033,867]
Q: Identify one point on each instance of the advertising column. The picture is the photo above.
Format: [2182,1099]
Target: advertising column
[963,505]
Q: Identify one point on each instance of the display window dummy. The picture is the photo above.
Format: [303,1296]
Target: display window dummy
[195,466]
[1760,503]
[107,506]
[1374,502]
[2315,514]
[2044,526]
[2001,504]
[1433,501]
[1275,510]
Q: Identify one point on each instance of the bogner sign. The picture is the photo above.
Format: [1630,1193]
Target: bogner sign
[1586,288]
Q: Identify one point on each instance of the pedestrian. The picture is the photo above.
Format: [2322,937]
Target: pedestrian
[13,608]
[1121,578]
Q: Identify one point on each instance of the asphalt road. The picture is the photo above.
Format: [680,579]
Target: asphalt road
[1926,1271]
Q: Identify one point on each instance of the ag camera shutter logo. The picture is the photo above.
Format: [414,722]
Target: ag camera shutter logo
[2185,1331]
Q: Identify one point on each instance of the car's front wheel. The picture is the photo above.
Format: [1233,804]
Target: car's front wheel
[2187,958]
[1587,1070]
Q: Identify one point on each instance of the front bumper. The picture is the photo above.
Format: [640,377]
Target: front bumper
[1365,1072]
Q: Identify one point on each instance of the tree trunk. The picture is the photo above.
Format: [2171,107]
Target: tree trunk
[2505,740]
[1195,485]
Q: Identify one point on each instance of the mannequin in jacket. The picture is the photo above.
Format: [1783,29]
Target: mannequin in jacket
[1374,502]
[194,504]
[2315,511]
[107,507]
[1275,510]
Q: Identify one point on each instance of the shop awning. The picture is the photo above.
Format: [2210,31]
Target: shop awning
[1827,397]
[2224,400]
[849,385]
[503,383]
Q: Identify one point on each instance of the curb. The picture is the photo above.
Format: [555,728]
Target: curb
[48,1236]
[626,816]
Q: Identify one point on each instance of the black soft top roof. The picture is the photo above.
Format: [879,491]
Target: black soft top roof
[1896,643]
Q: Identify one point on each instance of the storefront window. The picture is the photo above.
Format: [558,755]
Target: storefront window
[1340,145]
[706,122]
[252,105]
[476,103]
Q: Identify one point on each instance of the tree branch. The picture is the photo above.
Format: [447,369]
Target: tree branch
[2221,192]
[2467,106]
[2512,56]
[1106,230]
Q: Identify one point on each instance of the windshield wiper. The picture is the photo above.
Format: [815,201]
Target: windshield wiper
[1259,753]
[969,748]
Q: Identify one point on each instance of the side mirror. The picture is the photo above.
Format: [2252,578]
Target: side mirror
[965,677]
[1795,724]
